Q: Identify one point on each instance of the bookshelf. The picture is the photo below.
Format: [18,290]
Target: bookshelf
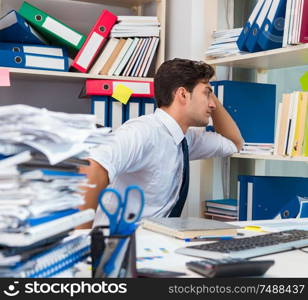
[135,7]
[271,157]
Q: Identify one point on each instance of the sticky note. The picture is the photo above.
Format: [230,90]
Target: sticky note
[5,77]
[254,228]
[304,82]
[122,93]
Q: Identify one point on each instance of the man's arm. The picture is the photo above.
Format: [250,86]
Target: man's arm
[97,176]
[225,125]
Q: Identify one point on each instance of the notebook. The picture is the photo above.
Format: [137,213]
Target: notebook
[184,228]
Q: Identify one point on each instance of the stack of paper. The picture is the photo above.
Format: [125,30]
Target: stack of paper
[258,148]
[224,43]
[41,188]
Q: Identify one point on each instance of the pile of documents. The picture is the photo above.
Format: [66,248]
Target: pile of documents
[224,43]
[41,189]
[222,209]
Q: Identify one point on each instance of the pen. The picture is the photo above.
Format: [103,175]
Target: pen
[209,238]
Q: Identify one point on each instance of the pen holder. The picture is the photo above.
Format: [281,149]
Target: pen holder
[113,256]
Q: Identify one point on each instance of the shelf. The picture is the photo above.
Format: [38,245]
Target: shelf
[122,3]
[271,157]
[67,76]
[271,59]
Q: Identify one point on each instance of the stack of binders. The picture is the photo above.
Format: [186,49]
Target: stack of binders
[22,47]
[40,188]
[222,209]
[111,113]
[264,29]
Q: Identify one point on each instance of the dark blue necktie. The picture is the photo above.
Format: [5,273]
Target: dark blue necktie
[177,209]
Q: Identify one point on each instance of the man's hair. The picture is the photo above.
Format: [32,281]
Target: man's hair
[176,73]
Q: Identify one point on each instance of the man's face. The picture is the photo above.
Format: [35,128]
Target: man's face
[201,104]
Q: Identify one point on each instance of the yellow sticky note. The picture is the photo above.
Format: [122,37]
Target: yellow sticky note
[304,82]
[5,77]
[122,93]
[254,228]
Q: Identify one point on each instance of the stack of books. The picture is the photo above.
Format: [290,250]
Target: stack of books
[115,45]
[224,43]
[40,187]
[222,209]
[291,134]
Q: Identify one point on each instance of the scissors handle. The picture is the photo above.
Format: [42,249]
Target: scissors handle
[112,216]
[127,220]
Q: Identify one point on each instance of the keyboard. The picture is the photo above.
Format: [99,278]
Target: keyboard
[249,247]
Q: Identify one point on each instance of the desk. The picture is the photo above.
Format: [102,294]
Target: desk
[287,264]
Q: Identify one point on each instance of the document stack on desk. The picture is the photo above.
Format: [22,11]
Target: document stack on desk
[40,190]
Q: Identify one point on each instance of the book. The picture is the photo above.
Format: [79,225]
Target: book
[230,204]
[183,228]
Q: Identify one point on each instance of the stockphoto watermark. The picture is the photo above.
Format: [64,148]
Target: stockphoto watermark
[76,288]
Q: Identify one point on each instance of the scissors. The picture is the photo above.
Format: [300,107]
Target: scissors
[122,221]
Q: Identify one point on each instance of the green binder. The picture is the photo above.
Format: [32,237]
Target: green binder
[54,30]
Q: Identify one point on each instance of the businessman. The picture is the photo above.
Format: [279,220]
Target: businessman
[153,151]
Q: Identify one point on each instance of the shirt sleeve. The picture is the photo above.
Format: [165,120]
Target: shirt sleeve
[203,144]
[123,150]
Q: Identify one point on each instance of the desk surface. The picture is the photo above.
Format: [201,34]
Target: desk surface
[150,245]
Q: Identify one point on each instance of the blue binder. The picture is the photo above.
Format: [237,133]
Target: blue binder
[148,106]
[100,108]
[14,28]
[117,113]
[297,207]
[34,49]
[241,42]
[246,102]
[33,61]
[242,197]
[271,34]
[269,195]
[253,35]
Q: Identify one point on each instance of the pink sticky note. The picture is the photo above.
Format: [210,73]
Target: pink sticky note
[5,77]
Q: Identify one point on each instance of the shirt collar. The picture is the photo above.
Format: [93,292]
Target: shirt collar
[171,124]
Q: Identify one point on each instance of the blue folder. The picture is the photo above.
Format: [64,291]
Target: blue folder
[271,34]
[133,108]
[270,195]
[100,107]
[242,197]
[117,113]
[14,28]
[241,42]
[253,35]
[252,106]
[34,49]
[13,59]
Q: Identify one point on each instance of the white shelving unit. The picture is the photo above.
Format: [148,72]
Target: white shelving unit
[271,59]
[271,157]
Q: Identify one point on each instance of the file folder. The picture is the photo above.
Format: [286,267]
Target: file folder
[148,106]
[34,49]
[100,108]
[95,41]
[14,28]
[271,34]
[53,29]
[246,102]
[117,113]
[241,42]
[252,38]
[242,197]
[106,87]
[33,61]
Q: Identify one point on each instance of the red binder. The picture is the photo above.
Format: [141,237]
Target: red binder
[99,87]
[303,37]
[94,42]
